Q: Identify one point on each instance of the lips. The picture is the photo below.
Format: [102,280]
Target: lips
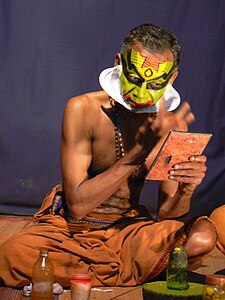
[137,105]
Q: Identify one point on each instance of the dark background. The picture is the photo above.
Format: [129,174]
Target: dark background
[51,50]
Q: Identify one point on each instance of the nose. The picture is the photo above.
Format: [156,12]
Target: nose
[140,91]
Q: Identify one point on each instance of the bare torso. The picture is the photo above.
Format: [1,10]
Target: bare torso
[104,152]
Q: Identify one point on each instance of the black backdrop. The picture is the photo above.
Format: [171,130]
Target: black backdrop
[51,50]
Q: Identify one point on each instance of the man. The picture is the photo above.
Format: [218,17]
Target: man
[93,221]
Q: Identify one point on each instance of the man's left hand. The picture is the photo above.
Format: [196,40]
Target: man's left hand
[190,174]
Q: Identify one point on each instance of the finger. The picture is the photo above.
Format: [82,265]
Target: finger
[188,173]
[162,110]
[146,124]
[185,113]
[192,165]
[184,109]
[189,118]
[198,158]
[189,180]
[195,172]
[162,107]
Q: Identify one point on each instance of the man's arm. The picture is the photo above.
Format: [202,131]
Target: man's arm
[84,194]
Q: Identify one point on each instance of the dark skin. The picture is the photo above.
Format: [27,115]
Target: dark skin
[92,176]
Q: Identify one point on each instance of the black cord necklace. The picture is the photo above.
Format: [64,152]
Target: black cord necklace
[120,152]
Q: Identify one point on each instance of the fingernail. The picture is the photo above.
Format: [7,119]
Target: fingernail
[176,167]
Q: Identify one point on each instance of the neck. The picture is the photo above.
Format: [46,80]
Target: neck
[129,116]
[126,126]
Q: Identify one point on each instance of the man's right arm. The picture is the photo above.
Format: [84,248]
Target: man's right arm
[84,194]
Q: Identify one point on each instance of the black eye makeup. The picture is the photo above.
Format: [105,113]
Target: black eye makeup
[157,86]
[133,79]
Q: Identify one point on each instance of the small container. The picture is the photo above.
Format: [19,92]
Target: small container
[27,290]
[214,288]
[176,273]
[80,287]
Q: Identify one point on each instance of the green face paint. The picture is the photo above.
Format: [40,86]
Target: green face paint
[143,80]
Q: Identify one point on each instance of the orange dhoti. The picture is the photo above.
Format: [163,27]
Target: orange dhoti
[129,252]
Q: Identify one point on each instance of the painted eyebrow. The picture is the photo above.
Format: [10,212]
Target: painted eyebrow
[130,65]
[126,73]
[162,76]
[165,76]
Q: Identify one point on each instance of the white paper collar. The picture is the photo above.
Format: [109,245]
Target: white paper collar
[110,83]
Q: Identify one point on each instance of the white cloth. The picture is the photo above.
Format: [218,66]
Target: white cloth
[110,83]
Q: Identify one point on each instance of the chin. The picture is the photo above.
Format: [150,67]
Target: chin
[140,105]
[136,105]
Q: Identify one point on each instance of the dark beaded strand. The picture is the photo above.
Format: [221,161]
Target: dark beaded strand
[120,152]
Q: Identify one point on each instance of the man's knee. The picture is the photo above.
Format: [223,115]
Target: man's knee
[202,238]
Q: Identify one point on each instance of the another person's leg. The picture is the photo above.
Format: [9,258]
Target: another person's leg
[218,217]
[201,240]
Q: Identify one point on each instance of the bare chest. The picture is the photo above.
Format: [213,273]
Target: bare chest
[109,141]
[104,155]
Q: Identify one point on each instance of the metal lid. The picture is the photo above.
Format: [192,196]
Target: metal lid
[215,279]
[44,252]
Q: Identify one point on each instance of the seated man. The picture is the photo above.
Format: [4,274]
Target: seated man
[93,222]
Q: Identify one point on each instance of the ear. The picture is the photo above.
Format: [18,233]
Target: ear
[174,76]
[117,60]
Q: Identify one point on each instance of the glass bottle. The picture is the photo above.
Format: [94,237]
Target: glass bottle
[176,273]
[80,287]
[214,288]
[42,277]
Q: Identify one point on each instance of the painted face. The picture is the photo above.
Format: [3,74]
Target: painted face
[144,78]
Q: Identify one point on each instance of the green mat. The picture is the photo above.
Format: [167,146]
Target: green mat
[158,291]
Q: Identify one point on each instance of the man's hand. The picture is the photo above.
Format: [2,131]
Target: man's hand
[167,121]
[151,131]
[190,174]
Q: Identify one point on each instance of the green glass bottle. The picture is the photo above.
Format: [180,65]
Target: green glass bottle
[177,274]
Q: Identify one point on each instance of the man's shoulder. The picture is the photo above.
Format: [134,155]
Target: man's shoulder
[88,100]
